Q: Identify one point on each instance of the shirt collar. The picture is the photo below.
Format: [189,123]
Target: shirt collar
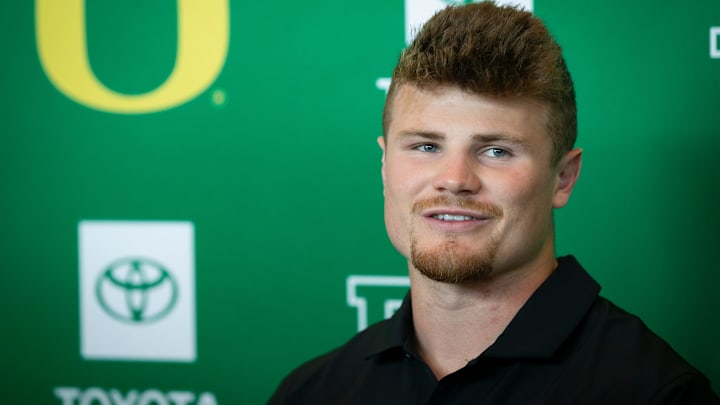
[395,334]
[550,315]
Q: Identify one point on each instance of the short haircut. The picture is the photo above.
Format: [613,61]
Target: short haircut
[492,50]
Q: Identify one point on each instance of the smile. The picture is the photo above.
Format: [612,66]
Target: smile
[453,218]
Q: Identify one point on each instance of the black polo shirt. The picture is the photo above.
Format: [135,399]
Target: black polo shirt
[566,345]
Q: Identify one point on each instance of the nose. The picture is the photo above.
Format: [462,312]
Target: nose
[457,174]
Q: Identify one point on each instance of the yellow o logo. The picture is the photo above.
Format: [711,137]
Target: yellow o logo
[203,36]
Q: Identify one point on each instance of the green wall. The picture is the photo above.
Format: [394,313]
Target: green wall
[275,166]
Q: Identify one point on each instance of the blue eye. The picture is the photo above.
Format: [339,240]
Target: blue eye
[426,147]
[496,152]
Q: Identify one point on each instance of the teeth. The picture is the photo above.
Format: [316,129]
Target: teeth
[448,217]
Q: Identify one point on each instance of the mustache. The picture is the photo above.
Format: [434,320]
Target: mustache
[447,201]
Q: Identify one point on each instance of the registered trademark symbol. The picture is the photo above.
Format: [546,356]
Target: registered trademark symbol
[218,98]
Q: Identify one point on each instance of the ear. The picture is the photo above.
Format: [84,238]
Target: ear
[381,143]
[568,173]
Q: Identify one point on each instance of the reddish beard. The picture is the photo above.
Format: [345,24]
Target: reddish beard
[446,261]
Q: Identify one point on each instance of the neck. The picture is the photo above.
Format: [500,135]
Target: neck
[455,323]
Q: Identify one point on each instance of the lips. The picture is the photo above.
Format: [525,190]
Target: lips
[453,218]
[457,214]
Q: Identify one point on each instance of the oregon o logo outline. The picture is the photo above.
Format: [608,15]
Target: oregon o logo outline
[203,38]
[143,278]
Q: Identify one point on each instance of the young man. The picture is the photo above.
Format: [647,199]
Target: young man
[478,149]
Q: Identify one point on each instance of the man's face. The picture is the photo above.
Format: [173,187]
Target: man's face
[469,184]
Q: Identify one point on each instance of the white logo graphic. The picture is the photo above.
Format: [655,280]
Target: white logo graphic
[714,34]
[137,290]
[390,298]
[419,11]
[96,395]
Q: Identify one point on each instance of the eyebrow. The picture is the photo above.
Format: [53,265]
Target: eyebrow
[477,138]
[435,136]
[489,138]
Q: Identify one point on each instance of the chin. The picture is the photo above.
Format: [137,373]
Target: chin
[445,263]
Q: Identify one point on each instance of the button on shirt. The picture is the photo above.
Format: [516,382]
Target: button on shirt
[566,345]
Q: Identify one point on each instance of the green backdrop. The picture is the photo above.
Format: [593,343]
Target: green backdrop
[275,165]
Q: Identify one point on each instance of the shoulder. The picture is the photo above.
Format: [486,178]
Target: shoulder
[318,379]
[633,340]
[636,362]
